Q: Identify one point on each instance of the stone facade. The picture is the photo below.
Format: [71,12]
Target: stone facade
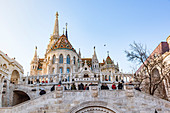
[163,50]
[10,72]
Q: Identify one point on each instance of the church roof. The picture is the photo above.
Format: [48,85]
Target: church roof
[88,61]
[63,43]
[109,60]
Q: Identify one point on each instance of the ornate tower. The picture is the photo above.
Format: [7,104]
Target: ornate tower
[95,62]
[34,64]
[55,35]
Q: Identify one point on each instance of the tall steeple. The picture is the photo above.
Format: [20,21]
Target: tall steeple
[94,55]
[66,31]
[56,27]
[35,58]
[79,53]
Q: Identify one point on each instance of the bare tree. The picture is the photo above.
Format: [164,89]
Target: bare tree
[149,66]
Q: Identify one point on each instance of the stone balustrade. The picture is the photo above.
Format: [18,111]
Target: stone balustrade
[121,101]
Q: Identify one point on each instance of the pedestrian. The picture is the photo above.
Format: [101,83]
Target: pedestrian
[42,91]
[73,87]
[81,86]
[106,87]
[120,85]
[53,88]
[113,86]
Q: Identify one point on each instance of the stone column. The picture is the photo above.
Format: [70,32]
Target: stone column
[59,91]
[94,90]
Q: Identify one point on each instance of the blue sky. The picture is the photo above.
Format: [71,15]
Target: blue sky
[25,24]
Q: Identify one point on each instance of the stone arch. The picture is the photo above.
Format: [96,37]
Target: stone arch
[15,77]
[155,74]
[19,97]
[94,106]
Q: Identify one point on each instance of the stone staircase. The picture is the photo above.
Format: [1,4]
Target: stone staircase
[120,101]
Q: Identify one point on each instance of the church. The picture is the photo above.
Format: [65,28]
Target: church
[63,60]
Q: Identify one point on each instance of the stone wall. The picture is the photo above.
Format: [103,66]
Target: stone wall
[94,100]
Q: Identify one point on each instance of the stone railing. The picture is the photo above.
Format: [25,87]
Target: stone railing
[64,101]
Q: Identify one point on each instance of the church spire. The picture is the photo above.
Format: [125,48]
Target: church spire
[94,55]
[56,28]
[66,31]
[79,53]
[35,59]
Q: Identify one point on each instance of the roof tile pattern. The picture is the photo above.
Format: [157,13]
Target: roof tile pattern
[63,43]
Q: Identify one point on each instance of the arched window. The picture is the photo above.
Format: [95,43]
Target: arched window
[61,70]
[68,59]
[54,59]
[53,71]
[68,70]
[74,60]
[61,58]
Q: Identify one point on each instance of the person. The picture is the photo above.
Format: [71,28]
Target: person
[65,88]
[106,87]
[42,91]
[113,86]
[86,87]
[81,86]
[122,81]
[137,88]
[73,87]
[120,85]
[53,88]
[102,86]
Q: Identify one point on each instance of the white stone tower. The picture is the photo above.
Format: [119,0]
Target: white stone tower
[34,64]
[95,63]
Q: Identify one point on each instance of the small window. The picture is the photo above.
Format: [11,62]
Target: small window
[85,68]
[68,59]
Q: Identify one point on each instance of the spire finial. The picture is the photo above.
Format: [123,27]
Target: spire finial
[107,53]
[66,30]
[63,30]
[56,28]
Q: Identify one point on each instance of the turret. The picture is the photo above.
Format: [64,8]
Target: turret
[95,62]
[34,63]
[56,28]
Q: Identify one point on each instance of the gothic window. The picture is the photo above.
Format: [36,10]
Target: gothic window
[68,70]
[68,59]
[61,70]
[61,59]
[54,59]
[74,60]
[109,78]
[53,71]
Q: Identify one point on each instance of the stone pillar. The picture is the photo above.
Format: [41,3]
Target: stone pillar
[94,90]
[59,91]
[129,90]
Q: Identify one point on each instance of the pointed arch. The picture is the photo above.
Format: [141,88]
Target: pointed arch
[68,59]
[74,60]
[61,59]
[54,59]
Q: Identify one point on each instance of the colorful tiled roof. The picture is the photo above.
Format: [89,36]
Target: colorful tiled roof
[109,60]
[63,43]
[88,61]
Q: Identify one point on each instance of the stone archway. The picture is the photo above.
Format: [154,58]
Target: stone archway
[94,107]
[19,97]
[15,77]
